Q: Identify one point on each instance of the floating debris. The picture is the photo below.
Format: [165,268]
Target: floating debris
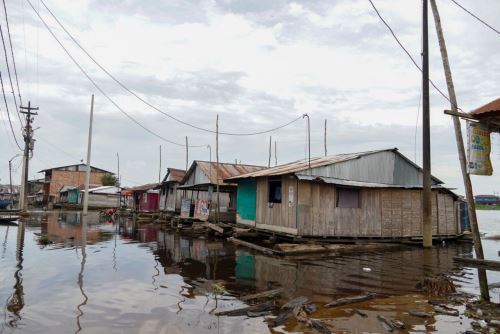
[299,301]
[351,300]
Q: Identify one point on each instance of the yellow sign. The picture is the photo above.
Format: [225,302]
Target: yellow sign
[478,149]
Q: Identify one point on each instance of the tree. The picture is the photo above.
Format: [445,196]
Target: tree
[109,180]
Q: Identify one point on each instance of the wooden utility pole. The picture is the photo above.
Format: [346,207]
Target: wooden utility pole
[159,171]
[217,167]
[483,281]
[269,157]
[426,182]
[89,149]
[326,153]
[275,153]
[28,145]
[308,137]
[118,181]
[187,153]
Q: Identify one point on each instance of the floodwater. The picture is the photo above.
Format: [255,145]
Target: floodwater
[121,277]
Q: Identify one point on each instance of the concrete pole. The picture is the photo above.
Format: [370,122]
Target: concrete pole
[269,160]
[89,148]
[217,171]
[187,153]
[426,184]
[326,153]
[478,247]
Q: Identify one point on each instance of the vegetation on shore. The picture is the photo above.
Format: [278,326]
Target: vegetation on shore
[487,207]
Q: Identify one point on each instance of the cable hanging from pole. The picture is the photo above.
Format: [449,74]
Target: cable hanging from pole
[8,72]
[8,113]
[145,101]
[100,89]
[12,52]
[476,17]
[408,53]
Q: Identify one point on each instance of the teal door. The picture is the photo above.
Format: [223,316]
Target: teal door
[247,199]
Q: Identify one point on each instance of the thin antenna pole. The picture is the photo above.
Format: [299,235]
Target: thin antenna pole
[326,152]
[275,153]
[187,153]
[269,161]
[217,172]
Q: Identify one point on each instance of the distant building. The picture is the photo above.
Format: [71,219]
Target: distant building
[170,198]
[73,175]
[146,197]
[487,199]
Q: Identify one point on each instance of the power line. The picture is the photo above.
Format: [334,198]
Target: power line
[100,89]
[408,53]
[12,52]
[8,72]
[475,16]
[8,113]
[148,103]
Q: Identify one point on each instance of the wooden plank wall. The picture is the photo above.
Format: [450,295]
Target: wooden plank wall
[280,214]
[383,212]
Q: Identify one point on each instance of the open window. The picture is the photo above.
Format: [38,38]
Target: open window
[347,198]
[274,186]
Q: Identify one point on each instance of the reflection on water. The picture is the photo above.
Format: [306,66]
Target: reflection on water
[126,277]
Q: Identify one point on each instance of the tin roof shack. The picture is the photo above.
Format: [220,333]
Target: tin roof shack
[68,195]
[367,194]
[102,197]
[170,198]
[72,175]
[201,178]
[146,198]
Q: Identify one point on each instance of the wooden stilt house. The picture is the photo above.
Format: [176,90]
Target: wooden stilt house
[170,197]
[368,194]
[201,180]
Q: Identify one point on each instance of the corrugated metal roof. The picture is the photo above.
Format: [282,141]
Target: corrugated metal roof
[145,187]
[174,175]
[225,170]
[489,109]
[301,165]
[80,164]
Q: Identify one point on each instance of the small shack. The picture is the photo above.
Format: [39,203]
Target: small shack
[201,179]
[102,197]
[68,195]
[146,197]
[374,194]
[170,198]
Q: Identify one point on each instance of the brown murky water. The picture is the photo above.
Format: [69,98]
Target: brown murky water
[105,277]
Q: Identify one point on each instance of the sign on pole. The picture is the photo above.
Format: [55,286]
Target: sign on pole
[478,149]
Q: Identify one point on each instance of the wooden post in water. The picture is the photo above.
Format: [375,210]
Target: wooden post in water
[426,140]
[483,281]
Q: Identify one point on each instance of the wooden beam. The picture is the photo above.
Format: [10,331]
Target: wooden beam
[264,250]
[478,263]
[460,114]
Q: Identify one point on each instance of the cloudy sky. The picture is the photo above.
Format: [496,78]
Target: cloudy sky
[258,64]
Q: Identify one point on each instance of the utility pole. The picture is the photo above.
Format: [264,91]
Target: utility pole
[159,172]
[187,153]
[217,171]
[28,145]
[483,281]
[275,153]
[325,140]
[10,181]
[118,181]
[308,137]
[426,182]
[269,160]
[89,147]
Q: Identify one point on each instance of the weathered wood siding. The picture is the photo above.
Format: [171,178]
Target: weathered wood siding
[382,213]
[282,214]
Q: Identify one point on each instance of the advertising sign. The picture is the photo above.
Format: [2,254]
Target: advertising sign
[478,149]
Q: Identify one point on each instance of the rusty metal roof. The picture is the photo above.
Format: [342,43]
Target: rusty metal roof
[174,175]
[145,187]
[489,109]
[301,165]
[225,170]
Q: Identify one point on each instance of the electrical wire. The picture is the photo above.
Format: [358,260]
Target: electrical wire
[10,78]
[8,113]
[59,149]
[100,89]
[12,52]
[476,17]
[148,103]
[409,55]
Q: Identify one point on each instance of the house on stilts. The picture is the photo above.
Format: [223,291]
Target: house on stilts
[374,194]
[199,202]
[170,198]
